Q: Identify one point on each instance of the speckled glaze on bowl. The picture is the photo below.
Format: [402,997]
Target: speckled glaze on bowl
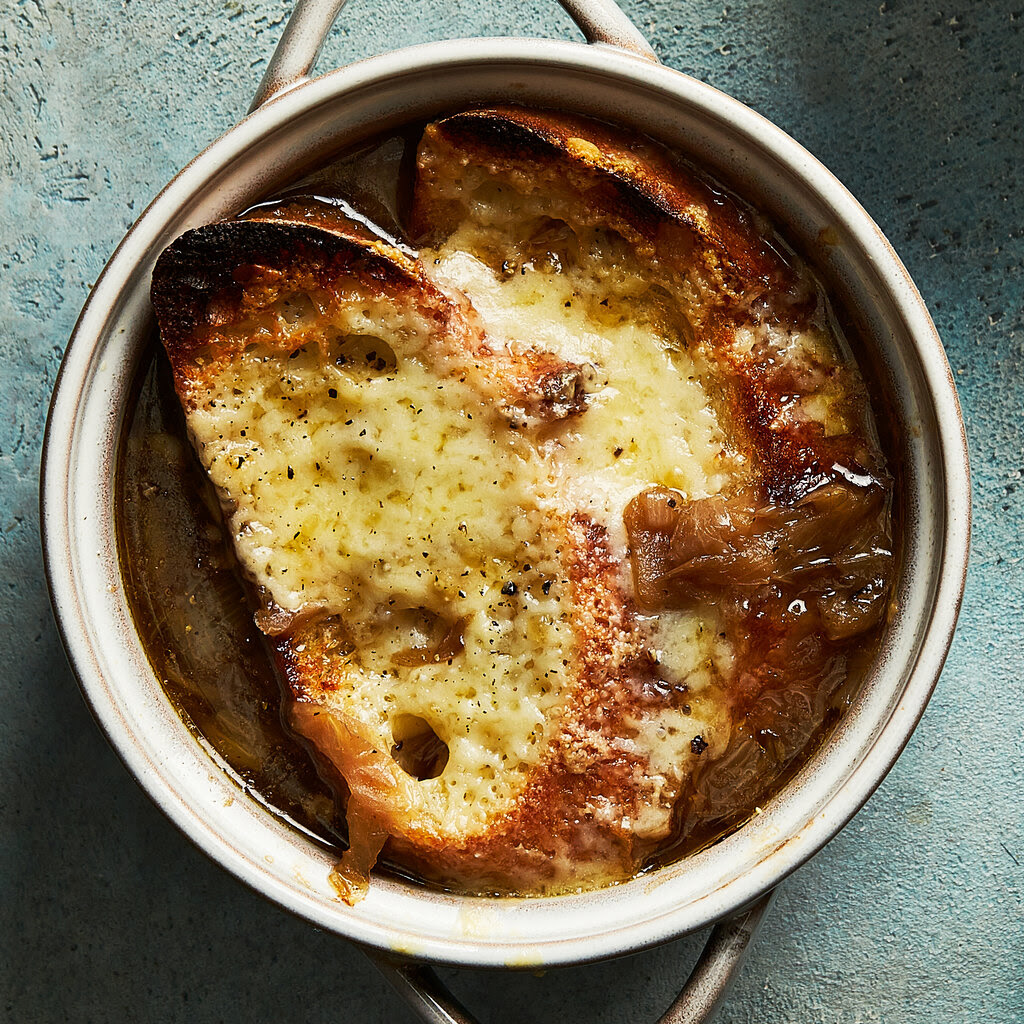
[305,123]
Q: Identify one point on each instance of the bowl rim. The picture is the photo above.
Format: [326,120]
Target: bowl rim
[484,944]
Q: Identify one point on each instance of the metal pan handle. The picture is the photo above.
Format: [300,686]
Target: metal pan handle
[600,21]
[705,988]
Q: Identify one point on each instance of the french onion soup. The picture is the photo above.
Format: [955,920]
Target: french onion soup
[552,488]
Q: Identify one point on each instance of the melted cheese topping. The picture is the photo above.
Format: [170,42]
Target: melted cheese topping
[648,418]
[370,479]
[399,500]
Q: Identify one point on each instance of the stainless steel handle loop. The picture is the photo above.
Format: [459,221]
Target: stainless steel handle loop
[300,45]
[600,21]
[705,988]
[719,962]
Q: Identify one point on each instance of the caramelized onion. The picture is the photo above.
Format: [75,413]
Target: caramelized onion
[783,720]
[371,777]
[651,518]
[795,585]
[366,838]
[831,549]
[743,766]
[452,643]
[273,620]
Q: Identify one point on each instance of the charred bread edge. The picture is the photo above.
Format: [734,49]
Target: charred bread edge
[206,264]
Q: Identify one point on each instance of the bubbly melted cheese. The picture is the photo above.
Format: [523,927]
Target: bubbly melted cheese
[648,418]
[394,497]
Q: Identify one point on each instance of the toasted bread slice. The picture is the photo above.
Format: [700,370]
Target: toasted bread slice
[633,234]
[596,179]
[700,339]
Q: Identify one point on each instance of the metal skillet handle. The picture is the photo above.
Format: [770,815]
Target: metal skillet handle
[702,994]
[600,21]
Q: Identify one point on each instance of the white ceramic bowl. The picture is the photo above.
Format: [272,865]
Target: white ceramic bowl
[287,135]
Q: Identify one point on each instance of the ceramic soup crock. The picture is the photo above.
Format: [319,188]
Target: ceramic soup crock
[295,123]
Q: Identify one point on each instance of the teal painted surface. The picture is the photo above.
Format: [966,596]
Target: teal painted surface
[915,913]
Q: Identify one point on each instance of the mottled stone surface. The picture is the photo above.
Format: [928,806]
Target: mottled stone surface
[915,913]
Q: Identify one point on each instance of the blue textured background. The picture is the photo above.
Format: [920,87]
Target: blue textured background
[915,913]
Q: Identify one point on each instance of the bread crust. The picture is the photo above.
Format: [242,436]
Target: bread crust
[219,276]
[598,175]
